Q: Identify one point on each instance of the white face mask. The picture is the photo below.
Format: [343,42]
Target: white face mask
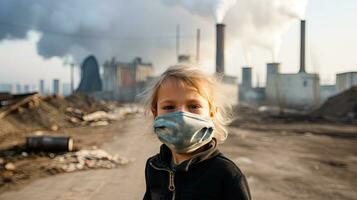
[184,132]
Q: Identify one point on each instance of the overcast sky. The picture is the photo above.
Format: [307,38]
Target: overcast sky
[331,39]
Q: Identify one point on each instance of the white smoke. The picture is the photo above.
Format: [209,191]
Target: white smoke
[126,29]
[263,22]
[222,7]
[255,22]
[207,8]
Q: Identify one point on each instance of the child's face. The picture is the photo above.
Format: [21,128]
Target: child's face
[174,97]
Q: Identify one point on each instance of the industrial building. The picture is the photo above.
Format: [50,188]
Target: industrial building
[248,93]
[345,81]
[327,91]
[90,77]
[300,90]
[124,80]
[297,90]
[57,87]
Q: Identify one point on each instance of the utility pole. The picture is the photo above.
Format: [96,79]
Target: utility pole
[198,45]
[72,78]
[177,41]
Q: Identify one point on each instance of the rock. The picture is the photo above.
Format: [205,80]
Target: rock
[95,116]
[98,116]
[24,154]
[78,111]
[10,166]
[74,120]
[2,161]
[38,133]
[54,127]
[99,123]
[69,168]
[69,109]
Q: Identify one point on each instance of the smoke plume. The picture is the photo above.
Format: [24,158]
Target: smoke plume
[207,8]
[126,29]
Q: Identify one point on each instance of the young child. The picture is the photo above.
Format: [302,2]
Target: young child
[190,120]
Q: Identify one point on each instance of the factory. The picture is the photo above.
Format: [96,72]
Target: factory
[124,80]
[300,91]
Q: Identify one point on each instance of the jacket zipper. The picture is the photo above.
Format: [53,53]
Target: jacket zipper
[171,179]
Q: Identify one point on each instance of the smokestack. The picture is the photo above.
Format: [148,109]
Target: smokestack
[198,40]
[302,47]
[247,77]
[220,48]
[177,42]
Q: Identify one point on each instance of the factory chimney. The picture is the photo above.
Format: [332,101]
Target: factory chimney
[302,47]
[220,48]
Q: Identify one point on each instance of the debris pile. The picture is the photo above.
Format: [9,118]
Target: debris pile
[17,164]
[86,159]
[29,112]
[342,106]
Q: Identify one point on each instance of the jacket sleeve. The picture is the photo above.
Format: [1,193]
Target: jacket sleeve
[237,189]
[147,195]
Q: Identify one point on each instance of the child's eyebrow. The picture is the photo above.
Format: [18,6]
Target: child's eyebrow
[167,101]
[194,101]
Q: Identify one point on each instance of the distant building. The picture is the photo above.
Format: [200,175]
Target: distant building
[66,89]
[345,81]
[18,88]
[246,78]
[42,86]
[298,91]
[27,88]
[90,78]
[7,87]
[187,59]
[56,87]
[327,91]
[247,93]
[124,80]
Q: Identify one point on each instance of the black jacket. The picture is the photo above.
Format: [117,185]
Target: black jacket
[207,176]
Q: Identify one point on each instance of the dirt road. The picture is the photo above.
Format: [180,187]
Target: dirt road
[279,165]
[131,140]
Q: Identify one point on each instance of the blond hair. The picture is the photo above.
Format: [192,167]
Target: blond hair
[207,86]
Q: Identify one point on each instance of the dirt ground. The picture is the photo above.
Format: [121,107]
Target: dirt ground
[281,159]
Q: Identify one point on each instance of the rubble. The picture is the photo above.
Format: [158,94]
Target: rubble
[99,123]
[10,166]
[32,111]
[33,115]
[14,102]
[87,159]
[98,115]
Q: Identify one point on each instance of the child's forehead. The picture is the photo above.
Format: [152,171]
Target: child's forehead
[173,82]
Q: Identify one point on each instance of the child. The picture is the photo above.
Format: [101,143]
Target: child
[190,121]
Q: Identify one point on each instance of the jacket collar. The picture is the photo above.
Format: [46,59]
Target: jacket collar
[204,153]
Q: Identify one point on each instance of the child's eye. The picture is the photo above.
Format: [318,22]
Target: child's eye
[194,106]
[168,107]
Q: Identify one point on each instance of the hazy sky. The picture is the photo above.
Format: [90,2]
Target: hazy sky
[331,45]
